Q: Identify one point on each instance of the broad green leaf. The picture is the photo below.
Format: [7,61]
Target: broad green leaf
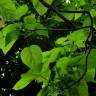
[9,36]
[82,2]
[61,41]
[32,57]
[90,75]
[41,32]
[68,16]
[68,7]
[50,57]
[83,89]
[31,24]
[40,8]
[77,15]
[44,77]
[62,64]
[54,53]
[26,78]
[91,59]
[75,60]
[30,21]
[7,9]
[93,12]
[20,11]
[78,37]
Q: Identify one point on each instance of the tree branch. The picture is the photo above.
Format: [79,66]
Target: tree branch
[68,22]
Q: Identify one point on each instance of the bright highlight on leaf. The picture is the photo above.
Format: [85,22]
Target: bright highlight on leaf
[32,57]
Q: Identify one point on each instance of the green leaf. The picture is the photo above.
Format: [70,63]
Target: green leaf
[54,53]
[83,89]
[44,77]
[7,9]
[61,41]
[78,37]
[93,12]
[40,8]
[77,15]
[90,75]
[32,57]
[26,78]
[92,59]
[68,16]
[62,64]
[20,11]
[9,36]
[41,32]
[29,22]
[50,57]
[43,92]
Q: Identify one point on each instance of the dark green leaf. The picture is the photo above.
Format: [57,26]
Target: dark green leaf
[83,89]
[9,36]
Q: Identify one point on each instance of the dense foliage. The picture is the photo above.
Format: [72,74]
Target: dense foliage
[58,43]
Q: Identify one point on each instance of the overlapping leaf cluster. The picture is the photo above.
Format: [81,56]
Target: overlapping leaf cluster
[60,66]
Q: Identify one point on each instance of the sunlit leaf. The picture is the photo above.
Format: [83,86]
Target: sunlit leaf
[40,8]
[61,41]
[50,57]
[93,12]
[7,9]
[26,78]
[32,57]
[62,64]
[20,11]
[77,15]
[78,37]
[90,75]
[29,22]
